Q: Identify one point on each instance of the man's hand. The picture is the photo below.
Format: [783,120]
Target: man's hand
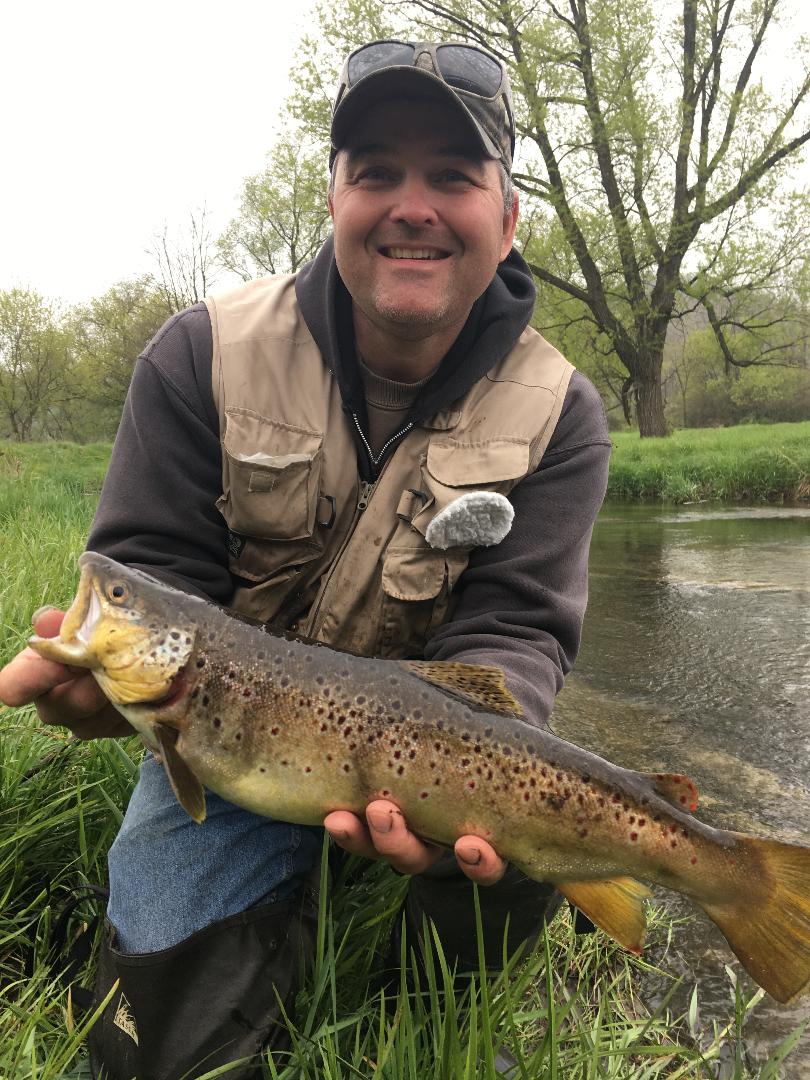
[387,837]
[63,695]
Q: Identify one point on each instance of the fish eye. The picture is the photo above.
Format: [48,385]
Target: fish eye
[117,592]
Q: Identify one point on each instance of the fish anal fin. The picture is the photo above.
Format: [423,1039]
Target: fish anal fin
[614,905]
[675,788]
[185,785]
[479,684]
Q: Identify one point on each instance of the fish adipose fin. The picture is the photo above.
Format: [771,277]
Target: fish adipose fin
[478,684]
[767,922]
[185,785]
[675,788]
[614,905]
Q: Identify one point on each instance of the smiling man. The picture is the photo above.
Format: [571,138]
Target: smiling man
[306,449]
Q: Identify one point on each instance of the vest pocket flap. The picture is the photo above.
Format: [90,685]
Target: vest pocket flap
[413,573]
[477,464]
[271,473]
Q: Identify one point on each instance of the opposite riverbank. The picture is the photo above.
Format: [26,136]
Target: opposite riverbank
[751,463]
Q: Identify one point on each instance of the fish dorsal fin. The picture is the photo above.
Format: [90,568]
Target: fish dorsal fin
[185,785]
[479,684]
[614,905]
[675,788]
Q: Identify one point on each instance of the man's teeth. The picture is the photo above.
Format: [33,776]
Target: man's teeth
[412,253]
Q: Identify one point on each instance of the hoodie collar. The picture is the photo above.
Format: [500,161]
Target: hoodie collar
[496,321]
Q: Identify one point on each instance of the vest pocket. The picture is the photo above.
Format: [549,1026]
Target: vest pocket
[417,586]
[271,473]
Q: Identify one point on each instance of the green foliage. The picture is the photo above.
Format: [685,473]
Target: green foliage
[36,367]
[282,218]
[750,463]
[109,333]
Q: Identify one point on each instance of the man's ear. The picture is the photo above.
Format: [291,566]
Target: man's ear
[509,226]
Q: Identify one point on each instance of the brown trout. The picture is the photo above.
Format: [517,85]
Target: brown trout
[294,730]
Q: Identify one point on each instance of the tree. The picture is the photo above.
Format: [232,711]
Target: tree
[109,333]
[35,366]
[282,218]
[658,155]
[185,261]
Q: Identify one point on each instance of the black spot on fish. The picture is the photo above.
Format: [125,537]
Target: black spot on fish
[400,769]
[417,713]
[217,722]
[396,706]
[201,662]
[205,699]
[174,635]
[260,656]
[238,736]
[360,699]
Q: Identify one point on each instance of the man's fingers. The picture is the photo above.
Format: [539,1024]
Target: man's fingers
[47,620]
[78,698]
[479,860]
[386,836]
[395,842]
[349,832]
[30,675]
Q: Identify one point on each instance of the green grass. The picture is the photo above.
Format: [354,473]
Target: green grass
[751,463]
[574,1009]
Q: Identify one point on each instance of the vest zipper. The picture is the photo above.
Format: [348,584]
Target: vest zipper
[366,491]
[375,461]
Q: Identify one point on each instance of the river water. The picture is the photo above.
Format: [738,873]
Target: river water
[696,659]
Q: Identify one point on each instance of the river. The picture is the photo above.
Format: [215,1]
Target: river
[696,658]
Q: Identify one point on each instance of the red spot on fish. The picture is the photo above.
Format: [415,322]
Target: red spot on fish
[423,795]
[324,727]
[693,806]
[634,836]
[308,768]
[328,757]
[673,828]
[397,754]
[526,796]
[346,768]
[674,843]
[616,798]
[274,731]
[437,781]
[632,819]
[400,769]
[693,860]
[583,833]
[683,799]
[542,795]
[347,730]
[641,822]
[465,761]
[471,785]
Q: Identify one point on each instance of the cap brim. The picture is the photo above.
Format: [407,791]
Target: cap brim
[404,82]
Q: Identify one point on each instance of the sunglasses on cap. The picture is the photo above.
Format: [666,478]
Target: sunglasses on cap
[464,67]
[474,77]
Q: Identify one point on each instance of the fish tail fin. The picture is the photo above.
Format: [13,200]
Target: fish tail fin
[614,905]
[767,919]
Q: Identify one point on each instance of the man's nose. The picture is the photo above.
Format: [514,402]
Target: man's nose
[413,204]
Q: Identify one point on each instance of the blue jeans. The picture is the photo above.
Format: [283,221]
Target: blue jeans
[170,877]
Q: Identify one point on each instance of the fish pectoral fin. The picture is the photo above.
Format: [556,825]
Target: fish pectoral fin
[478,684]
[614,905]
[675,788]
[185,785]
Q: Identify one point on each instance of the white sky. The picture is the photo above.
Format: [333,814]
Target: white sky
[118,118]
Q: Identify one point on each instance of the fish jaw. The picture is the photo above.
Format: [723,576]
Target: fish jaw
[72,646]
[111,629]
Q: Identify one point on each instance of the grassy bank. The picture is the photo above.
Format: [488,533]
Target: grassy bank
[578,1008]
[753,463]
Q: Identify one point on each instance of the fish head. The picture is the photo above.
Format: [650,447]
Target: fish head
[131,631]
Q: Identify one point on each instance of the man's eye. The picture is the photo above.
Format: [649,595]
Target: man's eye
[375,172]
[453,176]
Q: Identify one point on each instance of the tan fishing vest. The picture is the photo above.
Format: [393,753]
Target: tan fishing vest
[313,549]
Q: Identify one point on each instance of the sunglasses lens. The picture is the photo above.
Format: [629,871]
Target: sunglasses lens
[381,54]
[468,69]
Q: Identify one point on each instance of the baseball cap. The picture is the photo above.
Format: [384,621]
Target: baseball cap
[471,80]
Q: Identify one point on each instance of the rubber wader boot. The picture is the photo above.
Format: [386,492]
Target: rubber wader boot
[445,895]
[205,1002]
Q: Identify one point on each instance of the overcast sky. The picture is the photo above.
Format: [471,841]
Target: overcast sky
[118,118]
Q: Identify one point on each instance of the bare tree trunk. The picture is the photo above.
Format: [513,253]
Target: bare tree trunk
[650,405]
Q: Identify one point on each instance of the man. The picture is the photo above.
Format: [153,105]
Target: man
[295,449]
